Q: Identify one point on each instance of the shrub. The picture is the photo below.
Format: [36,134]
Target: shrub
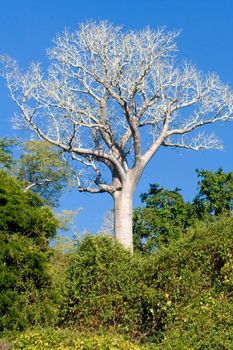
[24,212]
[26,226]
[65,339]
[105,288]
[196,263]
[26,296]
[195,274]
[152,297]
[205,323]
[177,298]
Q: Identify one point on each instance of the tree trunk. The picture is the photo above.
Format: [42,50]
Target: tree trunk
[123,216]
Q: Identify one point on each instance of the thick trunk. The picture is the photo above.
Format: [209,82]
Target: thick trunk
[123,220]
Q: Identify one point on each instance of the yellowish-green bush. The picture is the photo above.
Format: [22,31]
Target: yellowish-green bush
[196,275]
[65,339]
[179,298]
[105,288]
[199,263]
[205,324]
[144,297]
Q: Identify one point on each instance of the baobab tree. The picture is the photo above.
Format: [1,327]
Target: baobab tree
[111,99]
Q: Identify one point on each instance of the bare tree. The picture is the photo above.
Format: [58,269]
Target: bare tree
[110,99]
[107,226]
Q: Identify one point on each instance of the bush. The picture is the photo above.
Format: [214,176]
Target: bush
[153,297]
[206,323]
[177,298]
[24,212]
[196,263]
[24,284]
[65,339]
[26,225]
[195,274]
[105,288]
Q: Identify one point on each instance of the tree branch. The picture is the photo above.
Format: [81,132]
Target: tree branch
[156,144]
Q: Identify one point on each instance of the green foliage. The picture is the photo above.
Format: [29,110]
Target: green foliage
[178,297]
[24,212]
[165,215]
[25,295]
[6,159]
[58,264]
[168,298]
[105,288]
[215,196]
[26,227]
[67,339]
[195,274]
[164,218]
[44,170]
[206,323]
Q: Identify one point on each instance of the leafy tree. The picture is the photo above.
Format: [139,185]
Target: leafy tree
[165,215]
[163,219]
[26,294]
[40,166]
[109,94]
[44,170]
[6,159]
[215,195]
[26,227]
[24,213]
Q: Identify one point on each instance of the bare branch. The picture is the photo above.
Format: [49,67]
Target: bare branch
[157,143]
[38,183]
[199,142]
[111,98]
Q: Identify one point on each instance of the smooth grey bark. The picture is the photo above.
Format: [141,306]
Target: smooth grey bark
[123,211]
[123,208]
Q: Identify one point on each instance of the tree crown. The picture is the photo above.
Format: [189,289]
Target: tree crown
[111,98]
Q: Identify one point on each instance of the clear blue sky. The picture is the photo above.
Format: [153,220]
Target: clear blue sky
[28,26]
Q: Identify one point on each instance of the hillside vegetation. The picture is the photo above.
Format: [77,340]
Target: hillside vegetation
[174,292]
[178,298]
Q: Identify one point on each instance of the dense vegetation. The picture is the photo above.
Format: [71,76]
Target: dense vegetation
[165,216]
[26,227]
[175,292]
[178,298]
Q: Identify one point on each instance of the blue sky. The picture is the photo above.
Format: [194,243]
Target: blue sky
[27,28]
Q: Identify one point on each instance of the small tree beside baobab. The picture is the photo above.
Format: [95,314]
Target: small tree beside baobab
[111,99]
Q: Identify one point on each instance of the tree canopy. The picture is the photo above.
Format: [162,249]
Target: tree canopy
[24,212]
[26,227]
[111,98]
[6,158]
[44,170]
[215,195]
[165,216]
